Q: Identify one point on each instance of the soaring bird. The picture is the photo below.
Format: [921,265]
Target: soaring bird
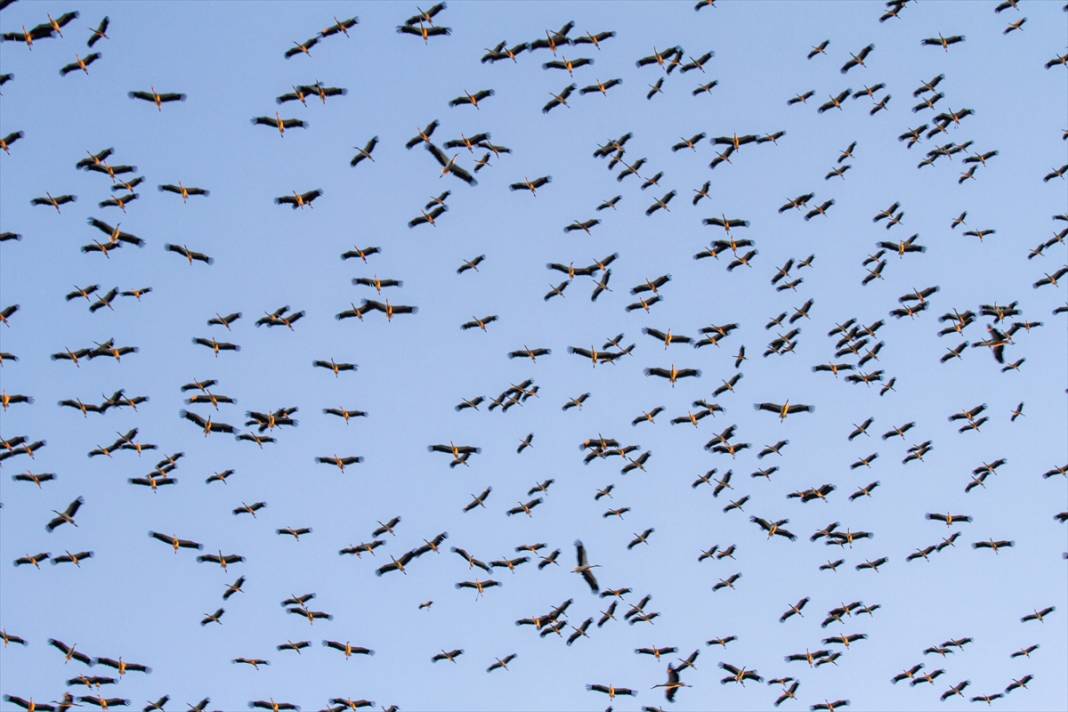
[299,200]
[943,42]
[560,99]
[424,31]
[531,185]
[364,153]
[188,254]
[100,32]
[449,166]
[156,98]
[673,374]
[857,59]
[66,516]
[501,663]
[279,123]
[450,655]
[784,409]
[584,568]
[183,191]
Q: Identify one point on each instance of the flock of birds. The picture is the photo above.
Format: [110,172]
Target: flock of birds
[997,329]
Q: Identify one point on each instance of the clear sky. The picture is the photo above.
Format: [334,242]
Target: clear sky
[138,600]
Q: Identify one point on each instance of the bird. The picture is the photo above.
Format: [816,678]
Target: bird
[156,98]
[70,652]
[5,146]
[1060,60]
[835,101]
[794,609]
[424,31]
[773,528]
[80,63]
[122,666]
[503,51]
[560,99]
[531,185]
[471,264]
[448,166]
[365,152]
[857,59]
[450,655]
[207,424]
[501,663]
[727,583]
[994,545]
[642,538]
[278,123]
[784,409]
[38,32]
[272,705]
[943,42]
[739,674]
[190,255]
[213,617]
[673,684]
[600,87]
[99,32]
[611,690]
[584,568]
[66,516]
[339,26]
[568,65]
[1038,615]
[821,48]
[299,200]
[673,374]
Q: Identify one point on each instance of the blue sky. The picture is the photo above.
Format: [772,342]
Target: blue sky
[137,600]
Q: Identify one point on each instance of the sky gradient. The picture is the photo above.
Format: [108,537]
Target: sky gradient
[138,600]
